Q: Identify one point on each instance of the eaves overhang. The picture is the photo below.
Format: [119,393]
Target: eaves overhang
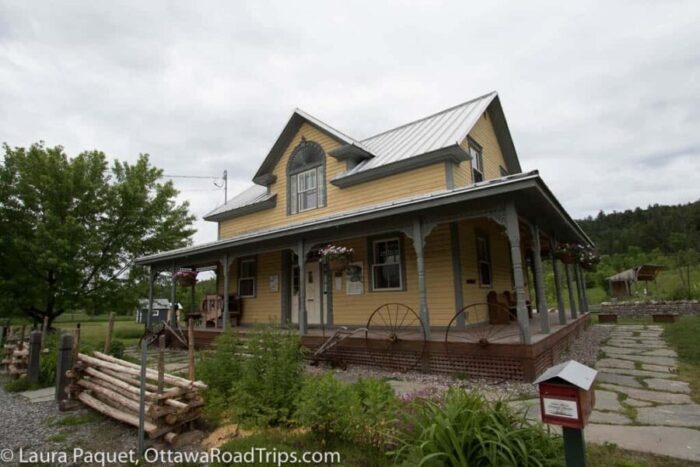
[267,203]
[453,153]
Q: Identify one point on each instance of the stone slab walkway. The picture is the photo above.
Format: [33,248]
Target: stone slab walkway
[655,412]
[39,395]
[640,403]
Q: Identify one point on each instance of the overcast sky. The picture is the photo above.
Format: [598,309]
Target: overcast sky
[602,97]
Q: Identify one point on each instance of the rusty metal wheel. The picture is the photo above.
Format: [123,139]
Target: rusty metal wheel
[395,337]
[469,336]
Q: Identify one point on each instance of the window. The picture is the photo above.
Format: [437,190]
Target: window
[306,176]
[477,161]
[246,277]
[483,256]
[307,190]
[386,264]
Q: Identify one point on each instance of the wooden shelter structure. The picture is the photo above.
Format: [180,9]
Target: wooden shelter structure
[621,284]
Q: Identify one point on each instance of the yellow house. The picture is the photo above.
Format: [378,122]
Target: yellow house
[443,225]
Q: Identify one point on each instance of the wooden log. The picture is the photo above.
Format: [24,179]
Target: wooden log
[177,404]
[105,409]
[110,330]
[134,381]
[110,394]
[181,439]
[152,374]
[115,381]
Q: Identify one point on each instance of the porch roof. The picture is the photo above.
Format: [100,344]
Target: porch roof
[533,199]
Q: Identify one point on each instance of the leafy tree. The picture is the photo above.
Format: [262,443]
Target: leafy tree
[71,228]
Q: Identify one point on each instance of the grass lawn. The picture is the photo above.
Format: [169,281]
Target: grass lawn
[684,338]
[609,455]
[92,334]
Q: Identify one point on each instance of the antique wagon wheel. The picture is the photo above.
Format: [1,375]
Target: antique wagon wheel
[395,337]
[469,335]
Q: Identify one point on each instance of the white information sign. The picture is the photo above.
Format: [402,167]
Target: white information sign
[560,408]
[354,279]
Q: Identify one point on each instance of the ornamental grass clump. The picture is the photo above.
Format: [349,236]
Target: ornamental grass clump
[466,429]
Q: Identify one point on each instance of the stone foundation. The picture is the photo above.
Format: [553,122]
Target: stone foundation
[648,308]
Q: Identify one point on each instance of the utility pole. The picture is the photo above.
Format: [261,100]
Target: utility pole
[225,186]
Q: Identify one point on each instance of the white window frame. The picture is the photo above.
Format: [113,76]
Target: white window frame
[375,264]
[302,193]
[477,156]
[247,278]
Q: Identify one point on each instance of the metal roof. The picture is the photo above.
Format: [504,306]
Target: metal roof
[572,372]
[252,195]
[645,272]
[438,131]
[378,211]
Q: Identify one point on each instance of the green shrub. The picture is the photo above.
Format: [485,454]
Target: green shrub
[220,369]
[117,349]
[271,376]
[48,361]
[468,430]
[328,407]
[376,417]
[363,412]
[18,385]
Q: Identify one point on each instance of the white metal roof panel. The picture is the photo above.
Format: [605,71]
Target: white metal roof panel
[252,195]
[573,372]
[443,129]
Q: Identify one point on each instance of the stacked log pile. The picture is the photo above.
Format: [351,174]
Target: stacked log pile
[112,387]
[15,354]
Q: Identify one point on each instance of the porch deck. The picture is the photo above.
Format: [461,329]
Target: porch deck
[500,356]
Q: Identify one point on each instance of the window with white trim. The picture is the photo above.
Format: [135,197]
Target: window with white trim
[246,277]
[306,177]
[386,264]
[483,257]
[477,161]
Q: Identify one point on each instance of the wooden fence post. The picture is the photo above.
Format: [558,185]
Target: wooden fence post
[64,362]
[190,347]
[110,330]
[161,363]
[76,342]
[33,364]
[44,330]
[3,336]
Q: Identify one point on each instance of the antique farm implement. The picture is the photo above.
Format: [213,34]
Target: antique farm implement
[324,351]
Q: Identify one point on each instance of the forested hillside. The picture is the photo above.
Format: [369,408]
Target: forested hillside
[664,235]
[666,228]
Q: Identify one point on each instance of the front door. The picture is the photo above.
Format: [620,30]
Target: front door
[312,287]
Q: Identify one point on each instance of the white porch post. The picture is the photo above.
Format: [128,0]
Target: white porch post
[570,284]
[301,260]
[542,309]
[557,284]
[418,246]
[580,287]
[224,267]
[513,231]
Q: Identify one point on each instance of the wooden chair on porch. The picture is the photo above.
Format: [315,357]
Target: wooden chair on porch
[512,304]
[498,311]
[212,309]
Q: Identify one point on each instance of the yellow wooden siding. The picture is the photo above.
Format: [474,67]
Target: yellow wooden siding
[484,134]
[265,307]
[422,180]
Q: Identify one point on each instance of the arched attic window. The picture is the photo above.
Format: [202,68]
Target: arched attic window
[306,177]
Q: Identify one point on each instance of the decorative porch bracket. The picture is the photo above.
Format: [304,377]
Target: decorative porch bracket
[513,232]
[557,282]
[418,234]
[542,309]
[570,285]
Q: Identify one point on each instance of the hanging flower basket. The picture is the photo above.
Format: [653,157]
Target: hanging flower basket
[589,259]
[186,278]
[567,253]
[336,257]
